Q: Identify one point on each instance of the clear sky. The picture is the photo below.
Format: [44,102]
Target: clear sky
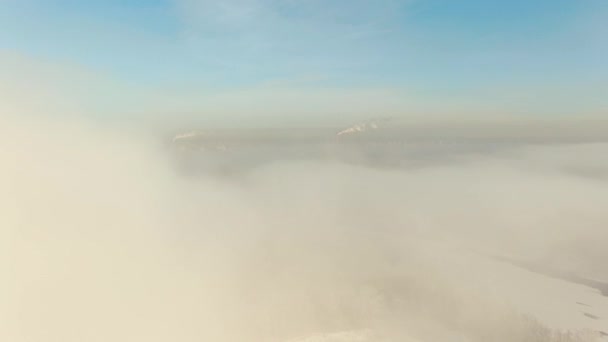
[310,58]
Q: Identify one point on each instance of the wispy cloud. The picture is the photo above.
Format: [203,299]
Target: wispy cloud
[224,15]
[291,14]
[294,34]
[300,27]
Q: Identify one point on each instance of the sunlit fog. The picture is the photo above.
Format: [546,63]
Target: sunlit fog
[303,171]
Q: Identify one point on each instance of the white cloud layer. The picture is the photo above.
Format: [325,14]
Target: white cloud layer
[100,240]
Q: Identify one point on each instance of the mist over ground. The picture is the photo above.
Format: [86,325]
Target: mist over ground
[102,240]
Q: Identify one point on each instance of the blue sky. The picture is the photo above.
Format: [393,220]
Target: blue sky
[528,57]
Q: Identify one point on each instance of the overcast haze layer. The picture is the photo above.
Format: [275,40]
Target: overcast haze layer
[303,171]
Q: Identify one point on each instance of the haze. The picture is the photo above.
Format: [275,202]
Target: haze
[303,171]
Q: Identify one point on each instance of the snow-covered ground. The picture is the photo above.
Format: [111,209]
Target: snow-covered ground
[520,305]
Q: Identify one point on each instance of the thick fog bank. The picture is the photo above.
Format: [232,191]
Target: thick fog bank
[101,240]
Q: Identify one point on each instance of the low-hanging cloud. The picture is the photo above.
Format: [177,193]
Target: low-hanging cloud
[102,240]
